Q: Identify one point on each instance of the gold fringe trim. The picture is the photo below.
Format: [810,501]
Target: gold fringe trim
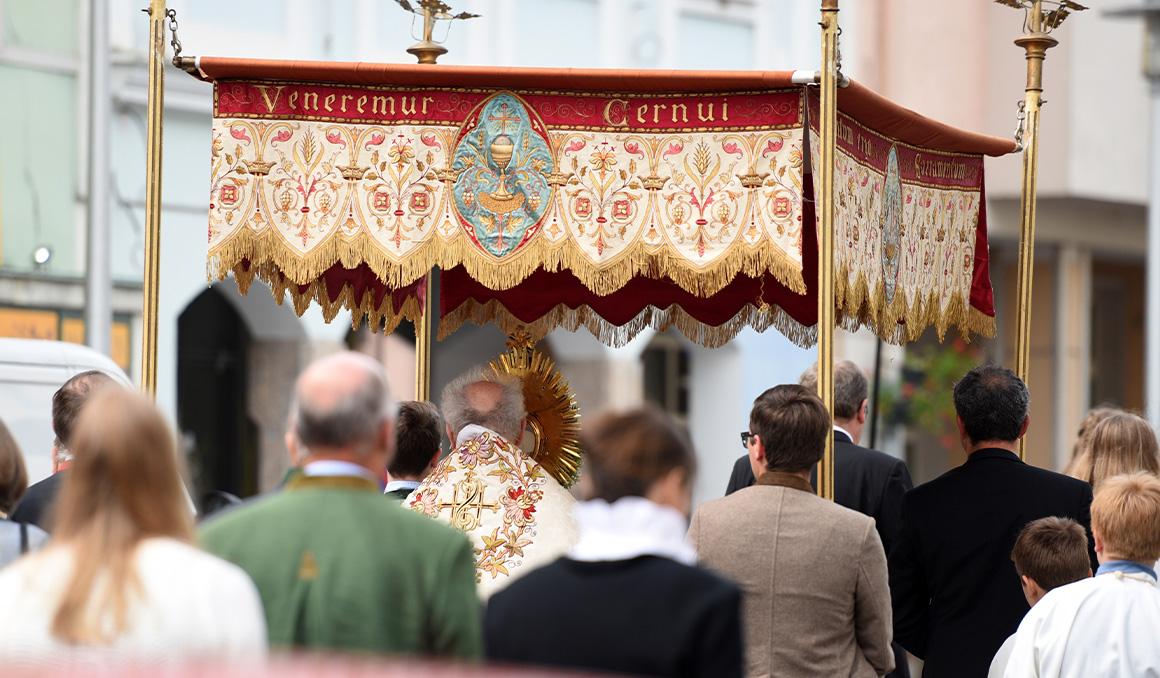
[900,322]
[618,335]
[267,252]
[382,316]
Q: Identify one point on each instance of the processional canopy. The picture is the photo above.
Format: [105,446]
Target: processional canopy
[612,200]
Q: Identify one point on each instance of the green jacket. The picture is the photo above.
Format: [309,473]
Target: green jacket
[339,566]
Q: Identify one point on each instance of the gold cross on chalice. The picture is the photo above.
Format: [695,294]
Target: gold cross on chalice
[501,200]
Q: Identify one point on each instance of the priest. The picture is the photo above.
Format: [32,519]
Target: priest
[517,516]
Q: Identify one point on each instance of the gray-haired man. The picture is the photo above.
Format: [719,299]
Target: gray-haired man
[517,516]
[339,566]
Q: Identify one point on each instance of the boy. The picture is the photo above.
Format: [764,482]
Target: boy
[1103,627]
[1049,552]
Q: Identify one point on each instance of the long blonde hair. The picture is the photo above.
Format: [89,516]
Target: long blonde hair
[1094,416]
[1122,443]
[124,486]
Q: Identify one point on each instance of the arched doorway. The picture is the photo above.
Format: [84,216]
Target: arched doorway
[220,439]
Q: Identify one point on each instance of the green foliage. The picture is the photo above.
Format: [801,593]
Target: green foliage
[923,397]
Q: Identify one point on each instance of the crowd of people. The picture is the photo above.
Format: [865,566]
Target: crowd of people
[377,543]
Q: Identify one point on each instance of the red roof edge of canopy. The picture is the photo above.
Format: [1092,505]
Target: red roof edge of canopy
[858,101]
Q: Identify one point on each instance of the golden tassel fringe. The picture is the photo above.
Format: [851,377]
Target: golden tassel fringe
[382,316]
[563,317]
[900,322]
[268,250]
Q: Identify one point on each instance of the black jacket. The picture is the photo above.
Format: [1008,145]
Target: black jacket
[37,504]
[956,595]
[647,616]
[867,481]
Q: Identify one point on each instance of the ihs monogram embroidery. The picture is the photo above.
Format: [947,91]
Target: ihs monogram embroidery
[490,490]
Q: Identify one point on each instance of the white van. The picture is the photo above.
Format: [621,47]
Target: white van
[31,370]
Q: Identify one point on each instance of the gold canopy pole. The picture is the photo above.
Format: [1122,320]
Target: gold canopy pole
[1035,41]
[825,171]
[423,348]
[157,16]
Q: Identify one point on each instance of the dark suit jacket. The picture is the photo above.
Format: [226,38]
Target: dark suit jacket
[647,616]
[956,594]
[870,482]
[36,505]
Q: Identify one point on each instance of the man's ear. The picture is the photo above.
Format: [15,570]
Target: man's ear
[1026,425]
[1099,543]
[434,459]
[451,436]
[292,449]
[523,429]
[861,416]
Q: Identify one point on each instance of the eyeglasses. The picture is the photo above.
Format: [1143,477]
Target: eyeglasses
[745,436]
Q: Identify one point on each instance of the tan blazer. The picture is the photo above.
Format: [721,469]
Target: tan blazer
[815,596]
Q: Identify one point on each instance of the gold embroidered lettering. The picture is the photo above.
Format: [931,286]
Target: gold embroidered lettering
[384,101]
[425,100]
[684,114]
[266,95]
[621,115]
[724,111]
[413,106]
[657,111]
[306,103]
[294,100]
[344,98]
[640,111]
[701,113]
[328,101]
[362,101]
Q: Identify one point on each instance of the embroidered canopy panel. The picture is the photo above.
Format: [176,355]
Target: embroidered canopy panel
[615,199]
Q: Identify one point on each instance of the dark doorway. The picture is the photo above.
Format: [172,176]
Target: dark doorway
[220,439]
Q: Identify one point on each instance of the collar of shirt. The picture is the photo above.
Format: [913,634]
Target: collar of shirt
[844,432]
[628,528]
[1125,566]
[400,485]
[335,467]
[473,431]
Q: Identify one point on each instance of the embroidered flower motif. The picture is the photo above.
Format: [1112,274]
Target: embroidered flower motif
[493,566]
[519,507]
[424,503]
[400,152]
[475,451]
[603,158]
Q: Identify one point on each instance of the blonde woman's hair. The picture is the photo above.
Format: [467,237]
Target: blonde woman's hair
[1121,443]
[125,486]
[1094,416]
[1126,517]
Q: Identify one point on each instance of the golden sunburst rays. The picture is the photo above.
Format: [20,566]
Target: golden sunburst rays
[553,416]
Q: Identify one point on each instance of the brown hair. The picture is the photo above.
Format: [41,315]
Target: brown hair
[13,476]
[1094,416]
[125,486]
[1126,516]
[1052,551]
[70,398]
[1120,443]
[793,424]
[626,454]
[418,432]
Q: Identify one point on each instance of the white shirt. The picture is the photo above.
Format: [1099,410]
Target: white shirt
[999,661]
[337,467]
[193,606]
[630,527]
[1102,627]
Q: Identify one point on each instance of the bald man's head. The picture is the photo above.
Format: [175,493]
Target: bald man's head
[341,401]
[484,398]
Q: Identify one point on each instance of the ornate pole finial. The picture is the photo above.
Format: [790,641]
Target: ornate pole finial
[427,50]
[1041,17]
